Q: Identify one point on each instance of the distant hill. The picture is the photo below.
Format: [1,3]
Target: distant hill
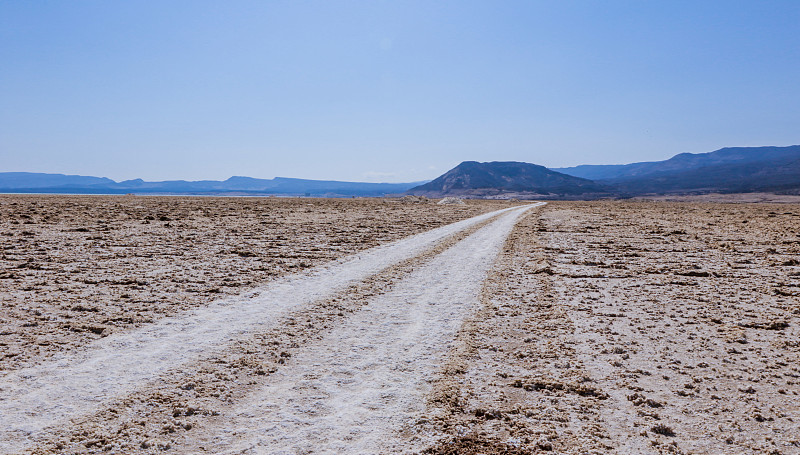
[36,180]
[732,169]
[26,182]
[780,175]
[510,178]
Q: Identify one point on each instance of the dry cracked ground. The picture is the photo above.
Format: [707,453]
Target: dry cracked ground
[600,327]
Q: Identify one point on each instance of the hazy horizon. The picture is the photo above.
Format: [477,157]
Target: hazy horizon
[386,91]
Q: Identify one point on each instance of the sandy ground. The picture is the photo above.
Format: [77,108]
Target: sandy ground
[357,388]
[36,399]
[93,379]
[74,269]
[633,328]
[687,316]
[602,327]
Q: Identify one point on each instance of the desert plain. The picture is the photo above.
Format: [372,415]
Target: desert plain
[571,327]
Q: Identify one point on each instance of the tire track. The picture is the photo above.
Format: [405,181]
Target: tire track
[357,388]
[37,398]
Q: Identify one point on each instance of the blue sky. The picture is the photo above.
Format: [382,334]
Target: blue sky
[387,91]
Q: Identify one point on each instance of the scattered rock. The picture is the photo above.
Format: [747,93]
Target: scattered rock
[451,201]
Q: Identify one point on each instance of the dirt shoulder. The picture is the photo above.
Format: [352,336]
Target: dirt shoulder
[514,383]
[687,316]
[634,328]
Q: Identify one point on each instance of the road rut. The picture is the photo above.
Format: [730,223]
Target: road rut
[36,399]
[356,389]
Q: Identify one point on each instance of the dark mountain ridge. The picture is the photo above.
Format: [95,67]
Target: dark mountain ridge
[684,162]
[474,179]
[728,170]
[780,175]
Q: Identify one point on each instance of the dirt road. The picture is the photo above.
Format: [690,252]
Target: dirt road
[355,389]
[372,368]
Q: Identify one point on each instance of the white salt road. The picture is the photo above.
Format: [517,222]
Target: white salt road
[358,387]
[48,395]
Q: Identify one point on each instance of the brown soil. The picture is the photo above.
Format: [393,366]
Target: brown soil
[76,268]
[514,383]
[175,411]
[635,328]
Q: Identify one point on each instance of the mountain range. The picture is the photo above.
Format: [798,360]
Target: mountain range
[728,170]
[474,179]
[26,182]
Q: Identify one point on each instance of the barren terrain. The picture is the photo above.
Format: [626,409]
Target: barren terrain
[76,268]
[576,327]
[633,328]
[728,198]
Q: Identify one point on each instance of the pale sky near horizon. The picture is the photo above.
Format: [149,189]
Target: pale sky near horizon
[387,90]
